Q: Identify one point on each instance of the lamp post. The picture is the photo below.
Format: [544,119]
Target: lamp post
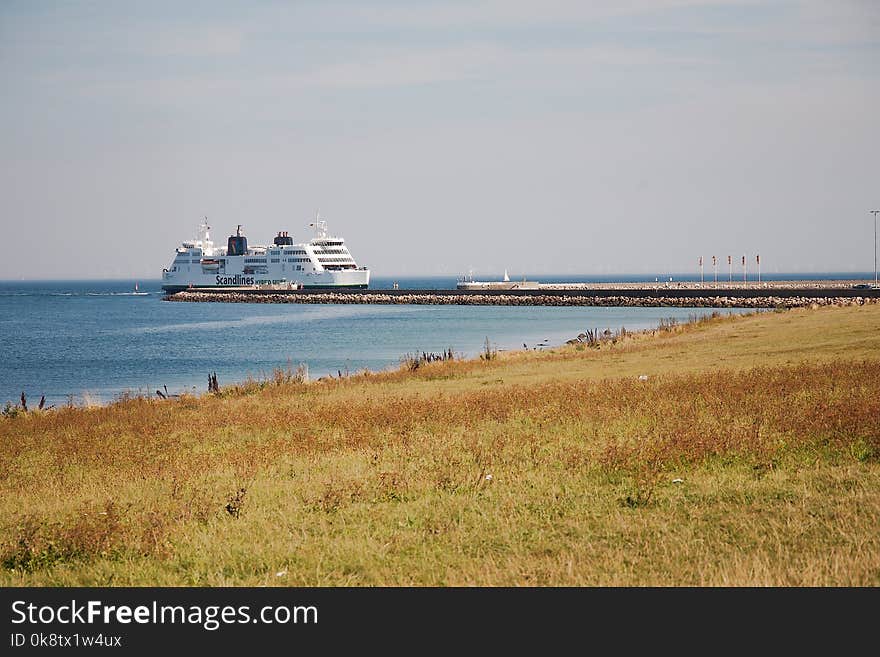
[875,212]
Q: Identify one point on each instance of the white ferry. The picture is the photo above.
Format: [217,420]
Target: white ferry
[322,262]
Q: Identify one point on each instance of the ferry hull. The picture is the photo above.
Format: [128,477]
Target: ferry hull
[351,278]
[171,288]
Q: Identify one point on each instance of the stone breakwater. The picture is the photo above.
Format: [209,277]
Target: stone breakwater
[427,299]
[765,286]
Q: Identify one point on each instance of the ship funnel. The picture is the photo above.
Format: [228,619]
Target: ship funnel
[237,244]
[282,239]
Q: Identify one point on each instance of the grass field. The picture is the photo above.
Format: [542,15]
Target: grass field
[749,456]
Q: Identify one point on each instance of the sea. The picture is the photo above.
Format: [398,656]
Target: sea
[90,342]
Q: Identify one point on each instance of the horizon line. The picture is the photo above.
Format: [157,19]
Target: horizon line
[752,277]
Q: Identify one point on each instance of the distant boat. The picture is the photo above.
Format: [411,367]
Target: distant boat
[468,283]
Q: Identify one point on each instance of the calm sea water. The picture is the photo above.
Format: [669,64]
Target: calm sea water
[78,340]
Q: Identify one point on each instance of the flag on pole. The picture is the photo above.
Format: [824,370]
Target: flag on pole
[758,259]
[713,261]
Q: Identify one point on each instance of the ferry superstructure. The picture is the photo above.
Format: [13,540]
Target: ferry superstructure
[322,262]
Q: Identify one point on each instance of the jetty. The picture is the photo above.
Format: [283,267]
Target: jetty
[776,294]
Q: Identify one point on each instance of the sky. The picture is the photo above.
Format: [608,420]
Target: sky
[552,137]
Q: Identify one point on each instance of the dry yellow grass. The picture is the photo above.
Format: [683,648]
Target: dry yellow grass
[751,455]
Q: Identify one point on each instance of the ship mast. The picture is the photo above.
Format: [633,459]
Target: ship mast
[205,238]
[319,225]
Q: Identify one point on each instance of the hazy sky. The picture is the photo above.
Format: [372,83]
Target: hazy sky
[436,137]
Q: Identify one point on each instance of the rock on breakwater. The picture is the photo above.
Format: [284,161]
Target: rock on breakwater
[431,299]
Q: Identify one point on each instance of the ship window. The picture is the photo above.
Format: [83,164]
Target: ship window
[276,260]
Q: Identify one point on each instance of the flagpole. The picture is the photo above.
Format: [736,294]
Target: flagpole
[875,212]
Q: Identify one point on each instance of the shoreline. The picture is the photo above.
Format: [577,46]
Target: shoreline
[95,399]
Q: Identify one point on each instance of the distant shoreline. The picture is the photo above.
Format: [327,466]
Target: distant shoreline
[711,285]
[380,280]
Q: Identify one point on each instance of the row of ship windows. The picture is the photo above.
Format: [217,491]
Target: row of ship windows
[332,252]
[249,261]
[262,270]
[334,260]
[278,253]
[182,257]
[253,261]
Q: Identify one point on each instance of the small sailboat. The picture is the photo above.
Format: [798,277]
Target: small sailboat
[137,291]
[468,283]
